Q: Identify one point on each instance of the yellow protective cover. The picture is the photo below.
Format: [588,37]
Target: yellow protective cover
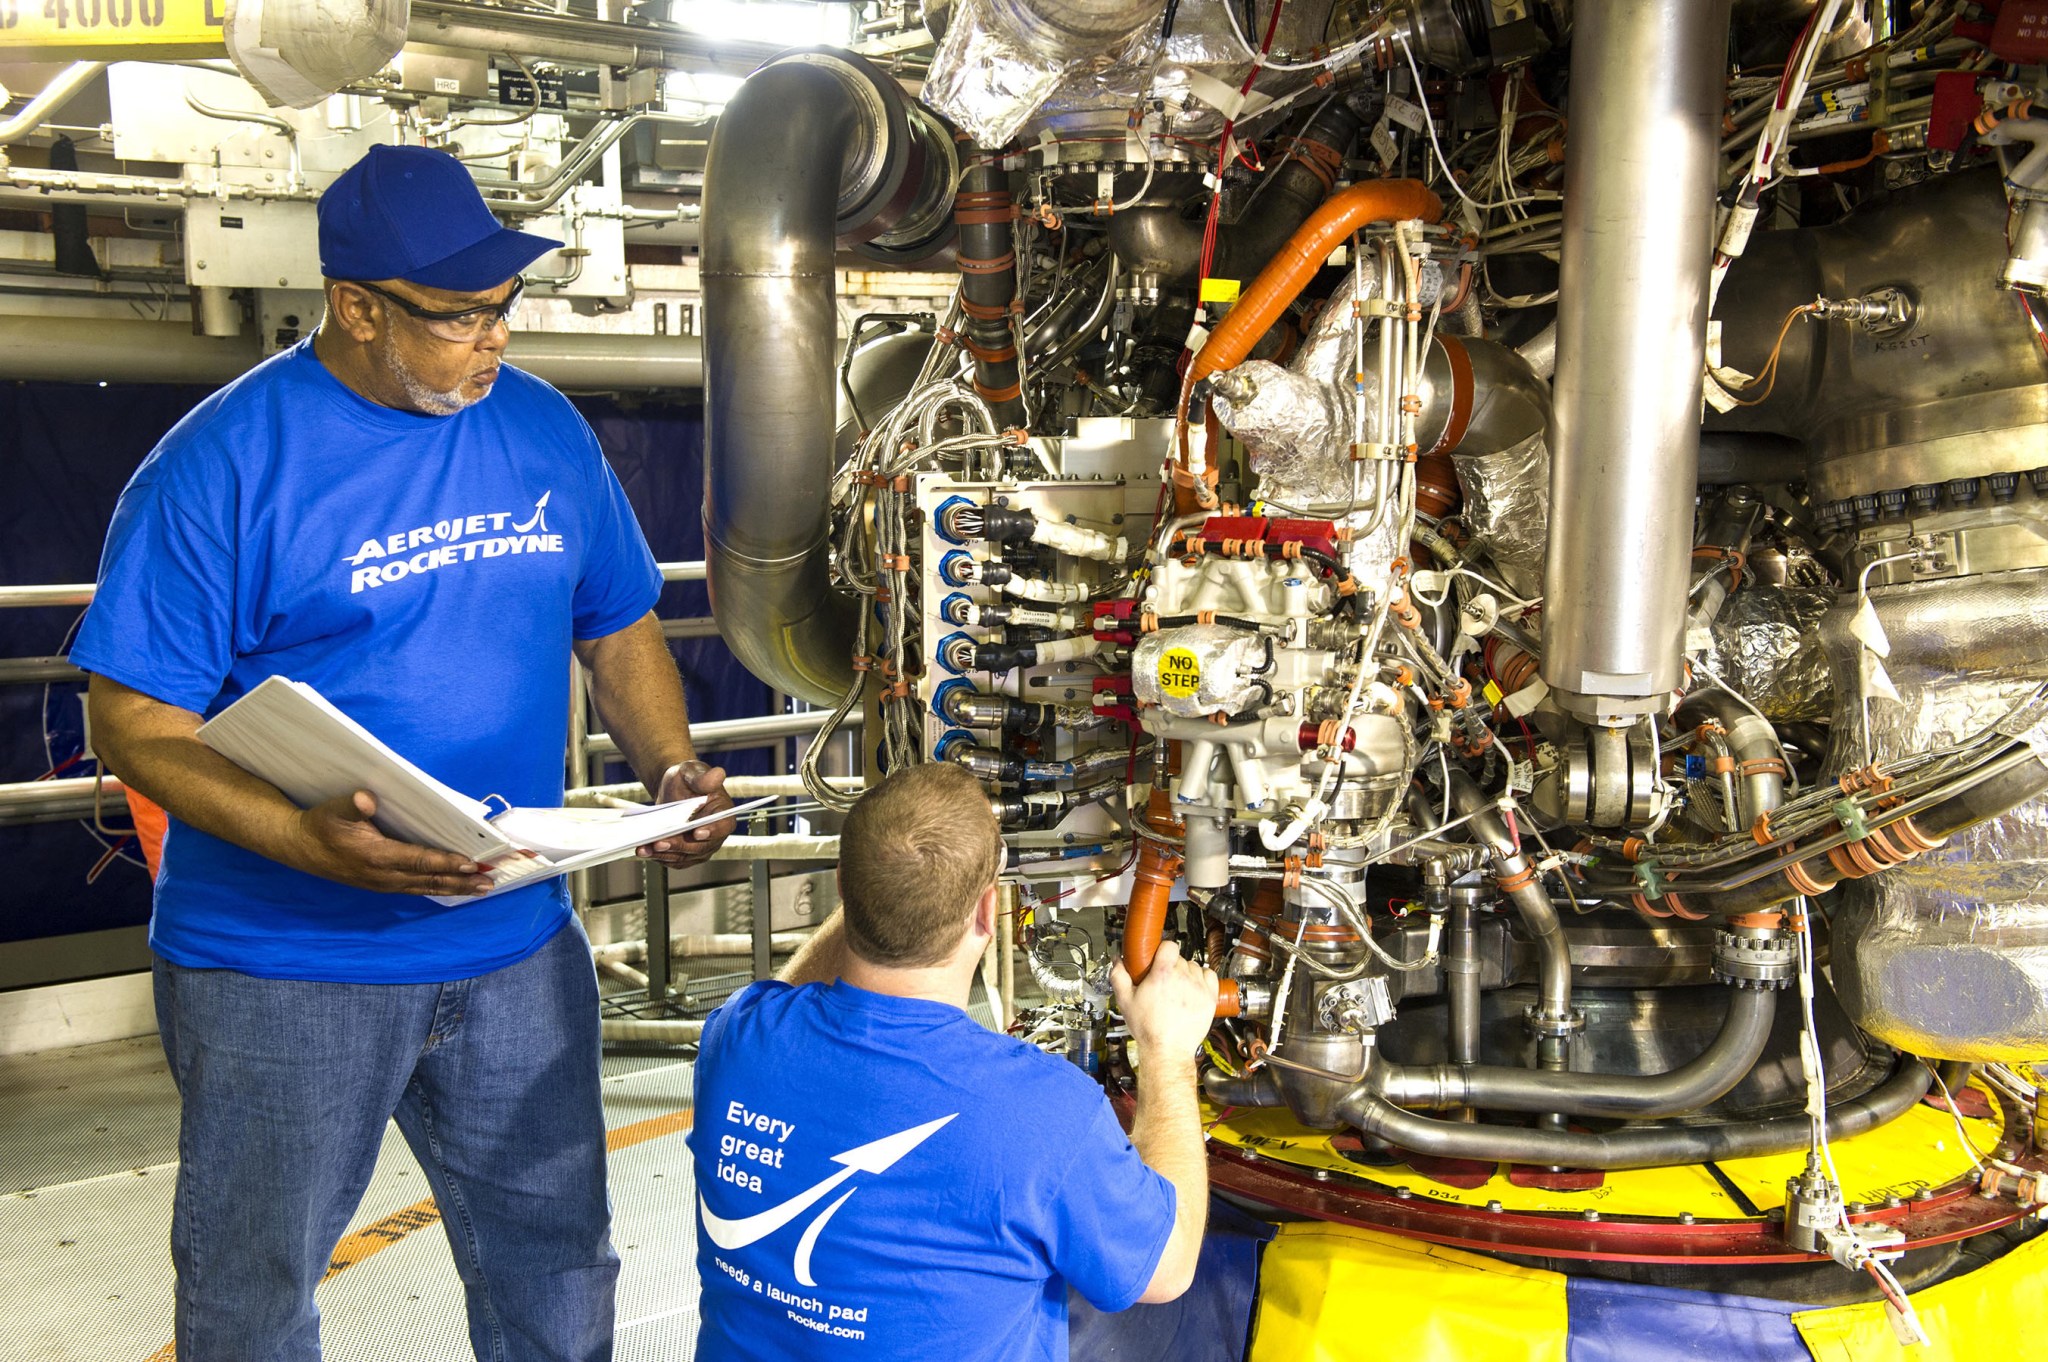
[2000,1311]
[1332,1293]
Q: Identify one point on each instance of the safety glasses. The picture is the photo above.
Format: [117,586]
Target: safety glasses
[467,326]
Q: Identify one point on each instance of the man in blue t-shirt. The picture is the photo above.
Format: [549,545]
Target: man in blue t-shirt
[880,1177]
[427,536]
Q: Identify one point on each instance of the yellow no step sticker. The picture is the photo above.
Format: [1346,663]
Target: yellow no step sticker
[1180,672]
[1221,290]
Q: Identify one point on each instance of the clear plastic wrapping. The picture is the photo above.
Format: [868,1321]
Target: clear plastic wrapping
[1766,643]
[1507,509]
[1947,956]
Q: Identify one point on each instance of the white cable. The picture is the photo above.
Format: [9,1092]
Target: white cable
[1336,59]
[1429,125]
[1962,1136]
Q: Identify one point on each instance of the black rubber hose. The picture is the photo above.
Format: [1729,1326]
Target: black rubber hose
[988,282]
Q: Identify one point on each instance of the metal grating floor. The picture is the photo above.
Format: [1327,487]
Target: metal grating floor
[88,1142]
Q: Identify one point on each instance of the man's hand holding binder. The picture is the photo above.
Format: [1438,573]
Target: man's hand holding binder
[341,843]
[695,846]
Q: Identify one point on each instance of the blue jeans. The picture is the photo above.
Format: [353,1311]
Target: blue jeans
[286,1086]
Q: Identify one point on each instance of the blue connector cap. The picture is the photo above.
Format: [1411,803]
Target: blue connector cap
[942,521]
[947,689]
[953,609]
[956,568]
[952,644]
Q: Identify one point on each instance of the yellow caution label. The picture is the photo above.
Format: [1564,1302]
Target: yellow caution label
[1180,672]
[1213,290]
[102,28]
[1492,693]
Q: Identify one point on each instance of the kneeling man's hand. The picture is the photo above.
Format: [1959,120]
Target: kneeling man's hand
[1171,1010]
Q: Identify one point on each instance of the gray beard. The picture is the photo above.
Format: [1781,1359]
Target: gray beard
[422,397]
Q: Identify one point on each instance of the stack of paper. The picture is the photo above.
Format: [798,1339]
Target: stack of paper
[287,733]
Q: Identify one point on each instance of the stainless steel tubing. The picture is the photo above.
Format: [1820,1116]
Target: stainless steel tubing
[1539,916]
[1461,984]
[727,734]
[594,361]
[63,87]
[1633,1146]
[16,671]
[57,801]
[21,597]
[739,787]
[571,38]
[1260,1088]
[682,572]
[652,1030]
[75,349]
[1631,335]
[815,146]
[1751,740]
[1733,1053]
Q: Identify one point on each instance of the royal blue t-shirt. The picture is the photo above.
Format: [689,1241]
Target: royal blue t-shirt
[882,1178]
[427,574]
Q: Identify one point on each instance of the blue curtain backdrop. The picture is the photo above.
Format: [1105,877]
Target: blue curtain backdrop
[66,450]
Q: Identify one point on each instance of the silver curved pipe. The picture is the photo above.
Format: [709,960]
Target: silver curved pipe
[59,92]
[1634,1146]
[814,146]
[1733,1053]
[1539,916]
[1752,740]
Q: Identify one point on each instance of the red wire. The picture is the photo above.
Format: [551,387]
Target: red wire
[1223,153]
[61,767]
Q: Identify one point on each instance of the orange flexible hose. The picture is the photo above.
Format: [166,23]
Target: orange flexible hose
[1145,923]
[1151,895]
[1283,279]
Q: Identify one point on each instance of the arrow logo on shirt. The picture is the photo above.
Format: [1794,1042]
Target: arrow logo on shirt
[877,1156]
[540,515]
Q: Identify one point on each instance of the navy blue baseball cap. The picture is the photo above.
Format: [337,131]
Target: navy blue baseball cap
[414,213]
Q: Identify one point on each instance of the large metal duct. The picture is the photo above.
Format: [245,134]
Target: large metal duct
[816,148]
[1947,955]
[1959,391]
[89,350]
[1631,332]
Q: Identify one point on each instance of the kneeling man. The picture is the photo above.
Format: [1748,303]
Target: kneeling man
[882,1177]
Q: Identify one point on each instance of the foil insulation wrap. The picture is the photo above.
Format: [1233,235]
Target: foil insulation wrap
[1199,670]
[1947,955]
[999,62]
[1182,73]
[1297,429]
[1766,643]
[1507,509]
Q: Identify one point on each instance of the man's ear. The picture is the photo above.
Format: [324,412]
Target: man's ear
[985,912]
[354,313]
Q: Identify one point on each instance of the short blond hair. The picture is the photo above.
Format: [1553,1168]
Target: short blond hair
[915,856]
